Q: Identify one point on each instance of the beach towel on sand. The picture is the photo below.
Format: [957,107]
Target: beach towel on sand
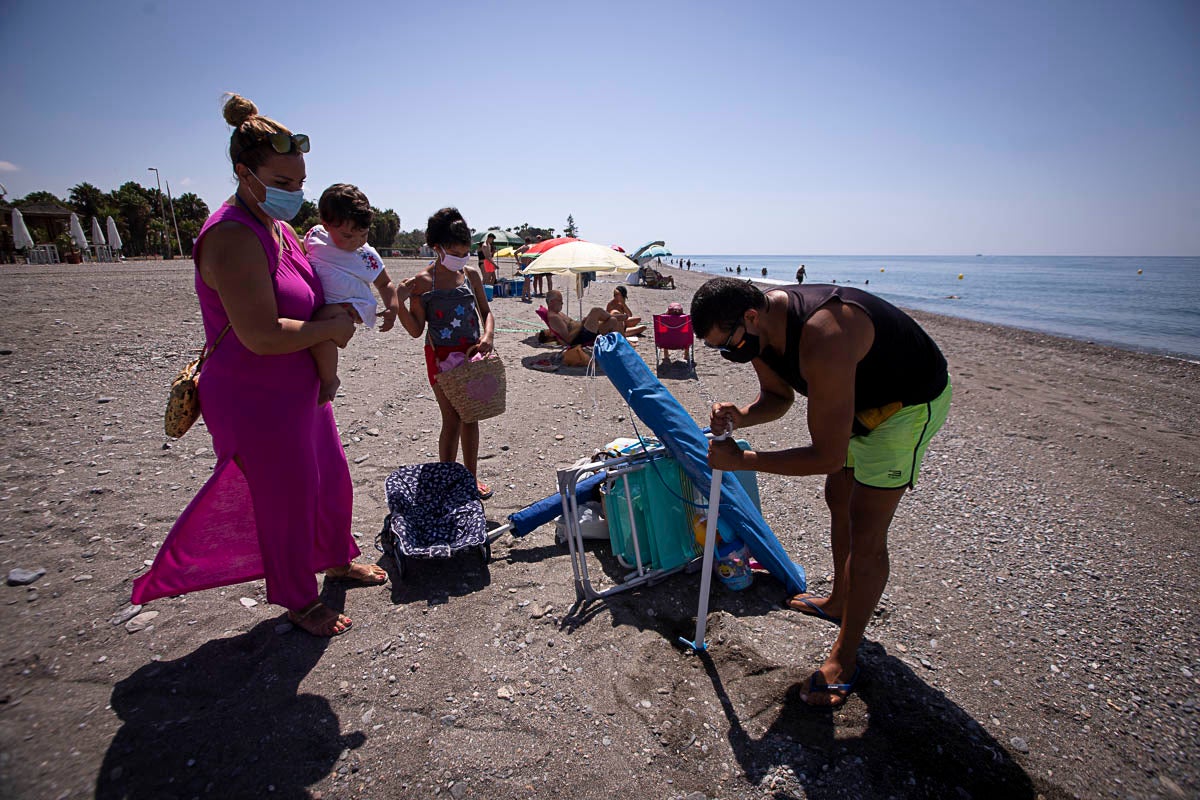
[686,443]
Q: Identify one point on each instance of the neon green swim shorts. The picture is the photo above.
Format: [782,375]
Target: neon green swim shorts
[889,457]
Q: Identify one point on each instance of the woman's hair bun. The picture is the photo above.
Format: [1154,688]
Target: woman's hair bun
[238,109]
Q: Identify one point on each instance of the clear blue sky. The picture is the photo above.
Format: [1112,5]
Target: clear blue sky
[1023,127]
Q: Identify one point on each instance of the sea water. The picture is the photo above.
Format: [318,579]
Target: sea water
[1100,299]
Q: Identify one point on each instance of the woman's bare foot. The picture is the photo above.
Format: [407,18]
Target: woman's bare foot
[319,619]
[366,574]
[329,391]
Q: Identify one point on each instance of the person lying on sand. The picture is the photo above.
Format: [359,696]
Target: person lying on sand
[597,322]
[877,389]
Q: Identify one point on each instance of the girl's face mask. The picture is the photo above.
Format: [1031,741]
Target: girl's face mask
[452,263]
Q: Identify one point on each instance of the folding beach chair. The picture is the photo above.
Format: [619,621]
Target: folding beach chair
[673,332]
[544,312]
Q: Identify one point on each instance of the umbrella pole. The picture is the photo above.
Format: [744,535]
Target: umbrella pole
[710,545]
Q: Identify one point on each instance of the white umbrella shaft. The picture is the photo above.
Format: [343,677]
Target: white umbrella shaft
[710,545]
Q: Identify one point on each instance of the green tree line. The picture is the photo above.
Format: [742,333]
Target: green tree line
[134,208]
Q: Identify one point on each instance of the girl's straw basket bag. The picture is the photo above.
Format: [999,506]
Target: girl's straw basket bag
[476,389]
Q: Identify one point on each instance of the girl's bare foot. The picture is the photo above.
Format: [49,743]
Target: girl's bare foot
[319,619]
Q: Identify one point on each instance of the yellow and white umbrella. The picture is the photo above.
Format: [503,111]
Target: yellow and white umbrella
[576,258]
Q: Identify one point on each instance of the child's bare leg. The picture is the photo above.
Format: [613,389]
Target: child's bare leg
[326,355]
[448,438]
[469,435]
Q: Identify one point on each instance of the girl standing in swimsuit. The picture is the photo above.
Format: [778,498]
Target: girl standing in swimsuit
[447,302]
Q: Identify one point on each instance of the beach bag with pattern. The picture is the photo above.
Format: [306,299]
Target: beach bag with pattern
[183,403]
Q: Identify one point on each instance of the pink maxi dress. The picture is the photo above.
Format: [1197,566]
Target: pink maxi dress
[285,512]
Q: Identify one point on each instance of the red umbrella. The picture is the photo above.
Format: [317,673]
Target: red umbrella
[541,247]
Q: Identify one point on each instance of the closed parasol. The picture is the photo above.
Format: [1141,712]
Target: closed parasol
[21,238]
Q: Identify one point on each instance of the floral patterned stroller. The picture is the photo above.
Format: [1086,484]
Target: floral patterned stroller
[435,512]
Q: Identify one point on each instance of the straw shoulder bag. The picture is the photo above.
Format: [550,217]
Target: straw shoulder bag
[183,403]
[476,389]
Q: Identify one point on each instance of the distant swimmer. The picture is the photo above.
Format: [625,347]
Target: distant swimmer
[801,273]
[739,269]
[764,272]
[867,282]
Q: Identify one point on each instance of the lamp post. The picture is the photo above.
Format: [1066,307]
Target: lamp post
[175,222]
[166,250]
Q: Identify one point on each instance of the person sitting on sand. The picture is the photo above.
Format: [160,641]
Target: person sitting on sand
[597,322]
[347,266]
[878,390]
[618,305]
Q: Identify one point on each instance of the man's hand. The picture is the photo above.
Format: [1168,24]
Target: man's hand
[389,319]
[724,417]
[725,454]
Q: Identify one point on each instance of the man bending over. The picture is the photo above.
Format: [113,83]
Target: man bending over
[877,389]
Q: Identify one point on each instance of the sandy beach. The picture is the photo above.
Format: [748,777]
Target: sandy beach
[1038,636]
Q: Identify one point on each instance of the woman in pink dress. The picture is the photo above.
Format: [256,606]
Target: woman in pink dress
[278,504]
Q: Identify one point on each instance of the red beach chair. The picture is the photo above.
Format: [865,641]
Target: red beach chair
[673,332]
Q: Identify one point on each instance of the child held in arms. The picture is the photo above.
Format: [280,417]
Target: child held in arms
[347,266]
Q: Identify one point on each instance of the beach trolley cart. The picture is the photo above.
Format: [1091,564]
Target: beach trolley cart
[434,511]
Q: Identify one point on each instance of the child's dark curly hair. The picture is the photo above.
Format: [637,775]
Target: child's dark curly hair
[447,226]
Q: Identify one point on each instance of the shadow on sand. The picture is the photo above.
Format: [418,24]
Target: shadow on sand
[896,736]
[226,720]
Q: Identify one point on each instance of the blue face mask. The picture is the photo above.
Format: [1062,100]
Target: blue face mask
[279,204]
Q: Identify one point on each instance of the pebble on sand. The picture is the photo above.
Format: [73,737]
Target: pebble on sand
[22,577]
[141,621]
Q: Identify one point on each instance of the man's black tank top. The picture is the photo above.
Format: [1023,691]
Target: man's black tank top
[902,365]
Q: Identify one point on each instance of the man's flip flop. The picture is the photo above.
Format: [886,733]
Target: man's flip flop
[809,608]
[838,691]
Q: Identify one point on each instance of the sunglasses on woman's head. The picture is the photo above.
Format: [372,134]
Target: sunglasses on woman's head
[284,143]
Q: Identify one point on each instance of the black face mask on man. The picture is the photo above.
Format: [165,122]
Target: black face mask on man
[744,351]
